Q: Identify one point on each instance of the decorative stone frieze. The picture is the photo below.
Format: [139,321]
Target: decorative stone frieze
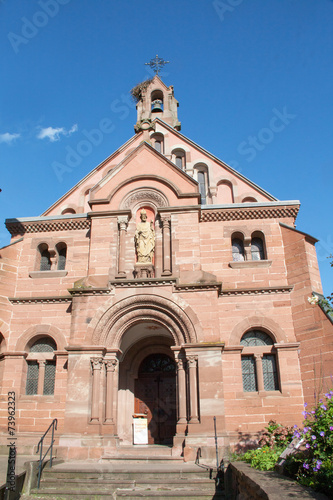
[227,214]
[47,226]
[39,300]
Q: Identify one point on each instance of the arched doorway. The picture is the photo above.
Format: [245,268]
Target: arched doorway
[155,396]
[147,383]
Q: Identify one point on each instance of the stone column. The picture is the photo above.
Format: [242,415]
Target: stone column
[122,224]
[193,386]
[247,248]
[41,376]
[166,230]
[110,365]
[181,383]
[96,376]
[259,372]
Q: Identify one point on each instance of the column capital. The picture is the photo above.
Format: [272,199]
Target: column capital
[258,356]
[181,363]
[122,222]
[110,364]
[96,363]
[41,362]
[192,360]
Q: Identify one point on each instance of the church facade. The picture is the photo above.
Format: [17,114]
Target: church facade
[164,288]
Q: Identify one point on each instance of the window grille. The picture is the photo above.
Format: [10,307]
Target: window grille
[45,261]
[237,250]
[49,378]
[257,249]
[32,378]
[256,338]
[157,363]
[202,186]
[270,373]
[43,345]
[249,374]
[179,162]
[62,258]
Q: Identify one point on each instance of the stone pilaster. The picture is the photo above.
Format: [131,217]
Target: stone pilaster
[122,225]
[96,377]
[166,231]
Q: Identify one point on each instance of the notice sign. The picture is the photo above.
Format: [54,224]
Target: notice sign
[140,429]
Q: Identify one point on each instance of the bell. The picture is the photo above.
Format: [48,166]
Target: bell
[156,106]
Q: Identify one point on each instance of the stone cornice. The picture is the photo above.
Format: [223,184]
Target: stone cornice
[40,300]
[269,211]
[257,291]
[45,224]
[89,291]
[137,283]
[190,287]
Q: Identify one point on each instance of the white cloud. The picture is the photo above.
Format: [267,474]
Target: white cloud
[54,134]
[8,138]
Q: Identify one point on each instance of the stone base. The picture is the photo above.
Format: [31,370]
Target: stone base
[144,270]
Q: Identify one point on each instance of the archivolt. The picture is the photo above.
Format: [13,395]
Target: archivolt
[114,321]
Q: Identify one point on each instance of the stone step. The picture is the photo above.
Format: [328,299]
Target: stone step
[126,493]
[162,459]
[156,482]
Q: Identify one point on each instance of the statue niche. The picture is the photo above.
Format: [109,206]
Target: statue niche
[145,245]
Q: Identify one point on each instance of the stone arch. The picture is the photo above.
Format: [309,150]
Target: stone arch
[4,332]
[39,331]
[262,323]
[137,196]
[112,321]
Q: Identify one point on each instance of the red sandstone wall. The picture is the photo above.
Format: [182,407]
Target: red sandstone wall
[312,327]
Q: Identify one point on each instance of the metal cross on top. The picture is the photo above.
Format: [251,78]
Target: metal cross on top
[157,64]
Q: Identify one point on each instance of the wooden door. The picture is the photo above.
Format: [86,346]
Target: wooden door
[155,395]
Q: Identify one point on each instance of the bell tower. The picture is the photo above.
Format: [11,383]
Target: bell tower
[155,100]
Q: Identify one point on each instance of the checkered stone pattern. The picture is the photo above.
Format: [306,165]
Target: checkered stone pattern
[42,227]
[264,213]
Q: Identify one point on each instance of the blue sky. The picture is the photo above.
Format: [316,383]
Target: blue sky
[235,64]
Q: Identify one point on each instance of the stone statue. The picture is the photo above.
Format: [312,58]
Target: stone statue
[144,239]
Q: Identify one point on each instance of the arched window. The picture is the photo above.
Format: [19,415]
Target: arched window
[68,211]
[62,254]
[201,170]
[41,367]
[158,142]
[258,355]
[156,98]
[45,257]
[179,158]
[238,253]
[202,186]
[257,247]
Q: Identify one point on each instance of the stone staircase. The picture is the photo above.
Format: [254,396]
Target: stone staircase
[128,477]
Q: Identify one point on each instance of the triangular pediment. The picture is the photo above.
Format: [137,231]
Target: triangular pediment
[144,168]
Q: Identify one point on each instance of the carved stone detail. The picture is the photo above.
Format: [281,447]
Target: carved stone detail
[144,195]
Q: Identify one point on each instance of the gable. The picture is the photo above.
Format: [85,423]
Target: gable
[144,168]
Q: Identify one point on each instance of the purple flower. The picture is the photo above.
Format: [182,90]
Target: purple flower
[304,413]
[313,437]
[313,412]
[328,395]
[308,445]
[318,464]
[331,427]
[295,426]
[305,430]
[297,434]
[305,405]
[323,407]
[306,466]
[322,433]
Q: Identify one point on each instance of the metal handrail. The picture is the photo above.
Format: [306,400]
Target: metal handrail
[53,425]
